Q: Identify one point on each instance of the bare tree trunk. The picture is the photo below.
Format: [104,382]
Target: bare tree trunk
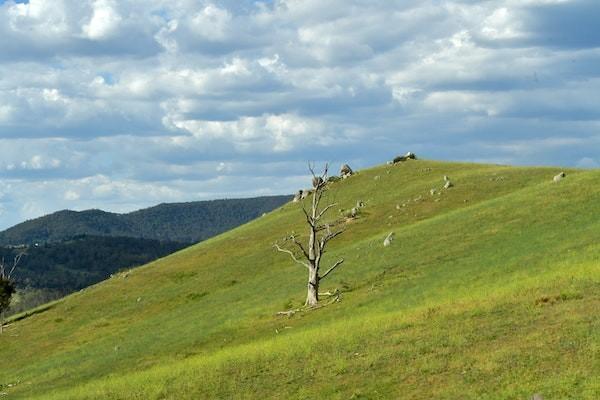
[312,297]
[1,322]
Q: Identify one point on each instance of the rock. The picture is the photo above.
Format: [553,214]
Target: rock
[559,177]
[446,179]
[433,191]
[448,185]
[406,157]
[388,239]
[354,212]
[298,196]
[346,171]
[360,204]
[377,177]
[305,194]
[389,162]
[398,206]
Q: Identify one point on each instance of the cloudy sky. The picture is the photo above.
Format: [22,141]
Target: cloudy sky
[124,104]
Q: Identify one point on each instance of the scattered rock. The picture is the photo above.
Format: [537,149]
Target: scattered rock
[448,185]
[354,212]
[433,191]
[346,171]
[406,157]
[298,196]
[305,194]
[360,204]
[389,162]
[388,239]
[139,299]
[559,177]
[398,206]
[377,177]
[446,179]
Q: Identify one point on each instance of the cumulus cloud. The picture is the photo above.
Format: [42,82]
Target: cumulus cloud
[121,104]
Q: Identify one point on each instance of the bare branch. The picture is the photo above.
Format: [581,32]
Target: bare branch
[328,237]
[324,175]
[330,270]
[291,255]
[308,217]
[300,246]
[324,210]
[311,168]
[15,263]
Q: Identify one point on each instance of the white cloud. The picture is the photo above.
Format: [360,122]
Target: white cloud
[211,22]
[104,20]
[133,102]
[71,195]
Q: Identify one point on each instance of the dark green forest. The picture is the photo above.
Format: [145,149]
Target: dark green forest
[53,270]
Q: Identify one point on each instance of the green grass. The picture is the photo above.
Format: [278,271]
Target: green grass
[489,290]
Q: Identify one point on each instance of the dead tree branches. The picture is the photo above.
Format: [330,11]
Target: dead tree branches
[320,233]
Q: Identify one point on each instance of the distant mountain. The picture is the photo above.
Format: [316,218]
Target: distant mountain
[177,222]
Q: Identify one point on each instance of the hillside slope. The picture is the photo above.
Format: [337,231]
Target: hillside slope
[490,290]
[178,222]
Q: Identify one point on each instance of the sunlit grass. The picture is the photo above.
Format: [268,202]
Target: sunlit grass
[490,290]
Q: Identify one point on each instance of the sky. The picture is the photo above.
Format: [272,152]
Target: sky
[125,104]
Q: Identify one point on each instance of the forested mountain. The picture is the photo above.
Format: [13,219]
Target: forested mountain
[179,222]
[52,270]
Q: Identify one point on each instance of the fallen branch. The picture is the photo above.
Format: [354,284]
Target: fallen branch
[288,313]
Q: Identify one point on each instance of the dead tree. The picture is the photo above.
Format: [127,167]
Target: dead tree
[7,286]
[320,233]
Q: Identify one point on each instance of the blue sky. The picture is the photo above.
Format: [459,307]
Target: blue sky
[124,104]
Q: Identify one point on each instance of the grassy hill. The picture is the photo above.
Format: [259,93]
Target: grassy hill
[177,222]
[490,290]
